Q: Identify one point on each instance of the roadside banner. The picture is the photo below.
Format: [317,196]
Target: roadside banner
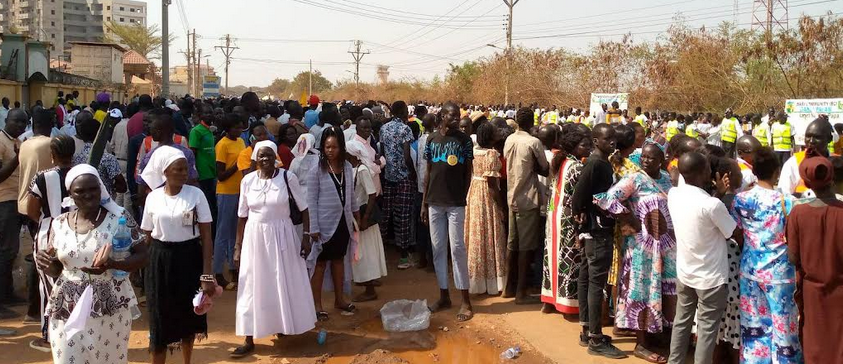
[801,112]
[598,99]
[211,86]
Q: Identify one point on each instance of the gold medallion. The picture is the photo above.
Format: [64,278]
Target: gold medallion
[452,160]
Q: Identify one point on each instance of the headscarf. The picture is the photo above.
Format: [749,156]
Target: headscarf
[357,149]
[811,166]
[105,198]
[305,144]
[162,157]
[264,144]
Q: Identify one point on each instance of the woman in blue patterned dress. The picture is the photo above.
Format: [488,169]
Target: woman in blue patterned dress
[769,318]
[647,294]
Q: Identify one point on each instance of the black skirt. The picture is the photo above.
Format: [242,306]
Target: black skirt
[172,280]
[337,246]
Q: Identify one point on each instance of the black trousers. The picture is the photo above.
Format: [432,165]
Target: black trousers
[783,157]
[594,272]
[729,148]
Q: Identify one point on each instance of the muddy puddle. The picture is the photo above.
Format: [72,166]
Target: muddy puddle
[424,347]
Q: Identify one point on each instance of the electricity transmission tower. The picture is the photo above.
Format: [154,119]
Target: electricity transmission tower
[769,15]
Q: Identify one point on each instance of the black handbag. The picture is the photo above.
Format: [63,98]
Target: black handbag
[295,213]
[377,214]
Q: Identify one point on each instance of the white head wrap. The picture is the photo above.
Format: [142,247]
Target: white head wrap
[357,149]
[105,198]
[264,144]
[306,143]
[162,157]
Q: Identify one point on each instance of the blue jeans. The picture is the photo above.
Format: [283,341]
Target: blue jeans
[226,232]
[447,223]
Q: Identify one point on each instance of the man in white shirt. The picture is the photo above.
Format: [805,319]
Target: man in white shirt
[817,136]
[703,225]
[746,146]
[4,111]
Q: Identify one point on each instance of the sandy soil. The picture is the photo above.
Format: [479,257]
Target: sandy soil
[498,325]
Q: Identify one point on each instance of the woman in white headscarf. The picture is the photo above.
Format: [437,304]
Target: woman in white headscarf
[372,263]
[305,157]
[273,295]
[78,255]
[178,221]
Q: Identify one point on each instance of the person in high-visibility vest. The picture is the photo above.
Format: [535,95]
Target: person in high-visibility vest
[746,146]
[761,131]
[817,136]
[640,118]
[730,130]
[783,141]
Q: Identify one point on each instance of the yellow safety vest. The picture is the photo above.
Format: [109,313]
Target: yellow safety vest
[781,137]
[553,117]
[729,131]
[672,129]
[691,131]
[800,156]
[640,120]
[760,133]
[535,118]
[831,149]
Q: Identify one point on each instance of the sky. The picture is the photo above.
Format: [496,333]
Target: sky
[419,39]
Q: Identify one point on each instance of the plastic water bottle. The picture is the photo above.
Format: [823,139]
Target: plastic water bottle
[120,245]
[322,337]
[511,353]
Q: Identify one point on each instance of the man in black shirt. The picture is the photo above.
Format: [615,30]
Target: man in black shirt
[596,230]
[449,154]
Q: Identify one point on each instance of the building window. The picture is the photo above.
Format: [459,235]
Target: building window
[108,7]
[132,21]
[108,18]
[131,10]
[53,36]
[122,20]
[52,23]
[52,12]
[122,9]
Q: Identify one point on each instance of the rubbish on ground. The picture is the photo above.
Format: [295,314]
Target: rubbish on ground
[405,316]
[322,337]
[511,353]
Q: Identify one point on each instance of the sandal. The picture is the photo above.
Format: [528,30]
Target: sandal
[624,332]
[465,315]
[242,351]
[322,316]
[363,297]
[350,308]
[643,353]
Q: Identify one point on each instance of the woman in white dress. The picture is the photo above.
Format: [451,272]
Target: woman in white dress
[372,263]
[274,295]
[78,249]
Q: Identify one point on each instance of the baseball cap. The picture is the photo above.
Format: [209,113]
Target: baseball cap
[115,113]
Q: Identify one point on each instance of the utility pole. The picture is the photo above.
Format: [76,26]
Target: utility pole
[188,55]
[510,4]
[200,80]
[195,65]
[227,50]
[358,56]
[165,48]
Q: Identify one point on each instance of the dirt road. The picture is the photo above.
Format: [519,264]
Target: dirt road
[499,324]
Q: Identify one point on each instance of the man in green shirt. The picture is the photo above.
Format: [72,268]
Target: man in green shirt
[201,141]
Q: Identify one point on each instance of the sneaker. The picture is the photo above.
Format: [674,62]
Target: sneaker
[584,339]
[404,263]
[606,350]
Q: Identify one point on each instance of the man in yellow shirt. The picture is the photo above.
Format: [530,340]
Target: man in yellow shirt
[730,131]
[783,137]
[228,149]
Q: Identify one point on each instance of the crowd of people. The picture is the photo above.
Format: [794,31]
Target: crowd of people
[662,226]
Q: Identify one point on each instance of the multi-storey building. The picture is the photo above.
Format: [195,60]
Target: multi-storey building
[63,21]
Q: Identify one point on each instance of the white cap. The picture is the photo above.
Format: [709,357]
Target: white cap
[115,113]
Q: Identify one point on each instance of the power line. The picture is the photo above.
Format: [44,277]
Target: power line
[402,13]
[402,21]
[644,24]
[453,30]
